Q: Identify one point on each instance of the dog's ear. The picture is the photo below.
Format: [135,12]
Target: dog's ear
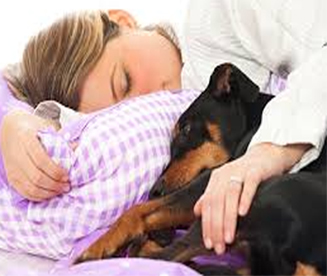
[228,79]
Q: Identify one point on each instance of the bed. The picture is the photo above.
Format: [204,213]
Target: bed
[24,262]
[37,266]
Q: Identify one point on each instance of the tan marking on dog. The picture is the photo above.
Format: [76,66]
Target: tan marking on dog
[305,270]
[149,248]
[223,81]
[215,132]
[166,218]
[243,271]
[130,225]
[207,156]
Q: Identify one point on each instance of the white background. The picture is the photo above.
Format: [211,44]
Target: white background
[19,19]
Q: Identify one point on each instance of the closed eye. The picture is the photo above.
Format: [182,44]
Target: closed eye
[128,83]
[112,83]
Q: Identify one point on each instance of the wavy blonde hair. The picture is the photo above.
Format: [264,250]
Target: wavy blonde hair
[56,60]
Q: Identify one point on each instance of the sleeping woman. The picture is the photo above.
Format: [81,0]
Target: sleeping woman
[88,61]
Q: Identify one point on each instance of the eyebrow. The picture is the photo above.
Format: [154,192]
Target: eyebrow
[114,94]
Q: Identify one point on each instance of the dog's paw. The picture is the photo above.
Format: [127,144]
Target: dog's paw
[97,251]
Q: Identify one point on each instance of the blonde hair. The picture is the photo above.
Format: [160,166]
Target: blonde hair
[56,60]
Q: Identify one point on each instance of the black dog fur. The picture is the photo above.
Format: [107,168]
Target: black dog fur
[285,230]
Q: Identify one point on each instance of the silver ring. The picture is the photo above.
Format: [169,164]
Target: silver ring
[235,180]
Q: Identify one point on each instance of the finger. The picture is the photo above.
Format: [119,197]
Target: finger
[42,181]
[251,183]
[37,194]
[20,185]
[205,216]
[44,163]
[217,219]
[231,210]
[198,207]
[37,177]
[19,178]
[31,192]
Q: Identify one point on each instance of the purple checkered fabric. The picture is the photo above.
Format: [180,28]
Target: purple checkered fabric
[121,152]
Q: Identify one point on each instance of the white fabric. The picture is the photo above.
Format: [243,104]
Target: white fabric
[33,265]
[57,112]
[264,37]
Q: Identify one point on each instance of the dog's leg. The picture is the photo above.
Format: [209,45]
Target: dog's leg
[173,210]
[144,249]
[191,245]
[137,221]
[186,247]
[151,243]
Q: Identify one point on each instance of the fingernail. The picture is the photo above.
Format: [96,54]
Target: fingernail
[219,248]
[242,211]
[228,237]
[66,189]
[208,243]
[65,179]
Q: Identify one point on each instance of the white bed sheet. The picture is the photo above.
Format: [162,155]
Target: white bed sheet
[29,263]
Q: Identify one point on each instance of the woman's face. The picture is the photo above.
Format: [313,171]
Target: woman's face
[135,62]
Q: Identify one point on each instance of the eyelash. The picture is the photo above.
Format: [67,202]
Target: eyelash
[129,82]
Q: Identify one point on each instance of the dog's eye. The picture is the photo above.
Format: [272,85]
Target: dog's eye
[185,130]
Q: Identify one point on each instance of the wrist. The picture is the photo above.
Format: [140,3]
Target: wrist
[292,154]
[283,157]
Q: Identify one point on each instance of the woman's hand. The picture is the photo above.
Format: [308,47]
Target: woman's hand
[232,187]
[28,167]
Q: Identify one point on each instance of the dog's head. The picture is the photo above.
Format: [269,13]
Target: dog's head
[208,132]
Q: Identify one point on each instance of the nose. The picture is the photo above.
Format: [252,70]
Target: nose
[158,189]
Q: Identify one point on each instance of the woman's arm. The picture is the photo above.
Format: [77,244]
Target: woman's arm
[277,37]
[294,124]
[262,37]
[28,167]
[298,115]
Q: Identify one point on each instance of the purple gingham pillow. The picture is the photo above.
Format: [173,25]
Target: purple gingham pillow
[121,151]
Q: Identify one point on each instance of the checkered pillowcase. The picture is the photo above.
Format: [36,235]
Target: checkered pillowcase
[121,152]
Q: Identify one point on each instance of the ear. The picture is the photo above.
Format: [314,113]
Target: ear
[228,79]
[122,18]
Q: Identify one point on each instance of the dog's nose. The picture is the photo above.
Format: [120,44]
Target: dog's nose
[158,189]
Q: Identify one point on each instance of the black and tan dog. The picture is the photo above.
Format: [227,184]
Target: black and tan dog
[285,230]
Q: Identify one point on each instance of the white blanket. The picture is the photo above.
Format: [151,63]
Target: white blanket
[31,264]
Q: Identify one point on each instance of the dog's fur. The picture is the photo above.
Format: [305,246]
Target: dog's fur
[285,230]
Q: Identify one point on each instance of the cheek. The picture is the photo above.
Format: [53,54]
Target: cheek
[146,69]
[95,93]
[146,77]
